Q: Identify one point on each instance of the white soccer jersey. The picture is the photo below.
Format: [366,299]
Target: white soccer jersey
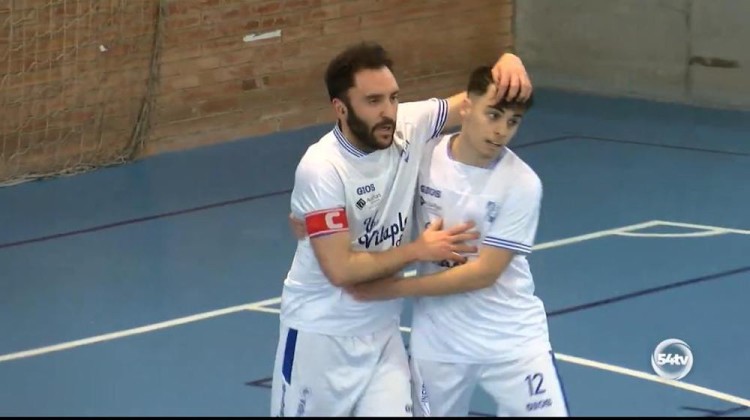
[504,320]
[337,188]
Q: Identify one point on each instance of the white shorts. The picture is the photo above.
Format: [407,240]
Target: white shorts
[329,376]
[521,388]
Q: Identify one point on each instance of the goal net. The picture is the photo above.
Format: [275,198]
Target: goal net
[77,84]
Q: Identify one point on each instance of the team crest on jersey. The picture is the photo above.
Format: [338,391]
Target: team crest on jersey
[491,211]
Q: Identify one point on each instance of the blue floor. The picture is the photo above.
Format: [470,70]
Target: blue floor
[186,233]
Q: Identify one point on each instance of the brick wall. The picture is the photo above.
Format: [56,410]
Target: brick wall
[214,85]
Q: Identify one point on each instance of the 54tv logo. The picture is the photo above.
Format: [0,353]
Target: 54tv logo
[672,359]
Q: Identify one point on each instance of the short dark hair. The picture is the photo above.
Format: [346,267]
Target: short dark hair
[480,80]
[341,70]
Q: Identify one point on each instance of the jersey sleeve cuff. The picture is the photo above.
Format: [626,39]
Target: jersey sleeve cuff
[511,245]
[441,118]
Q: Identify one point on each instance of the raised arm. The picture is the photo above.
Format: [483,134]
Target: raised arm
[512,82]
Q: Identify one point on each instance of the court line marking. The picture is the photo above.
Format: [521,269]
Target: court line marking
[618,369]
[258,306]
[705,227]
[594,235]
[139,330]
[700,233]
[627,231]
[654,378]
[262,306]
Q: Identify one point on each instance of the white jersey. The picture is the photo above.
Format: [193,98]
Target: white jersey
[505,320]
[338,188]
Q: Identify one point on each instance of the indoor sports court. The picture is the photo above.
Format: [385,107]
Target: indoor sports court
[152,288]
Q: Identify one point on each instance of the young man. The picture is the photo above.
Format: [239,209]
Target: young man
[354,189]
[479,323]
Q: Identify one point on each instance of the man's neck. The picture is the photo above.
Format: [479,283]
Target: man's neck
[462,151]
[354,140]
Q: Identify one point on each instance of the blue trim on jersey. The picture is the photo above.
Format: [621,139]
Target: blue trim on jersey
[345,143]
[559,380]
[503,243]
[288,362]
[442,117]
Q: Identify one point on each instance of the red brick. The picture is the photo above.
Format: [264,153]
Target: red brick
[60,93]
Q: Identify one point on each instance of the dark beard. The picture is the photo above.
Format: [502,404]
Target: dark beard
[365,134]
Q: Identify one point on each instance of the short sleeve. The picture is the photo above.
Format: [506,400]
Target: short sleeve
[319,198]
[516,217]
[426,118]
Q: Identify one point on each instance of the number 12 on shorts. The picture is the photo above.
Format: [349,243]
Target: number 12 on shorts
[535,384]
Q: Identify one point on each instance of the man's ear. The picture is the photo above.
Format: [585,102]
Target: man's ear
[339,107]
[465,107]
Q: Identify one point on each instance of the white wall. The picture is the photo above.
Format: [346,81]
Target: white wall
[654,49]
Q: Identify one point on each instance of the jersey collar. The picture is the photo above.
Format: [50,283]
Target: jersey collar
[346,144]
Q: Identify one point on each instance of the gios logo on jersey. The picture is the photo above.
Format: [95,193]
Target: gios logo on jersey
[392,233]
[371,196]
[366,189]
[429,191]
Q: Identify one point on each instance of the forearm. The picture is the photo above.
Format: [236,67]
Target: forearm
[454,117]
[362,267]
[464,278]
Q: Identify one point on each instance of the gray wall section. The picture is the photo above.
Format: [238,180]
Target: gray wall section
[686,51]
